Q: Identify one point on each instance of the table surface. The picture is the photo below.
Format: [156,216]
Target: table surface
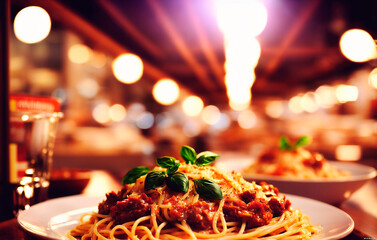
[361,206]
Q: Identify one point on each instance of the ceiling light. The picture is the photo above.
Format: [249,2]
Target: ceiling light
[128,68]
[357,45]
[192,106]
[166,91]
[32,24]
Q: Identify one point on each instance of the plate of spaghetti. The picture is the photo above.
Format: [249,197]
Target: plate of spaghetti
[296,170]
[187,200]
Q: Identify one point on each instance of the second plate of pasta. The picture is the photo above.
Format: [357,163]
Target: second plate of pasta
[333,191]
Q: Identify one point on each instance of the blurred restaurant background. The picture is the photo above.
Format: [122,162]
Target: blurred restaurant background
[138,79]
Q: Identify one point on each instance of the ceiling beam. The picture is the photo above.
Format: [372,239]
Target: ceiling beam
[199,71]
[89,33]
[130,28]
[205,45]
[289,38]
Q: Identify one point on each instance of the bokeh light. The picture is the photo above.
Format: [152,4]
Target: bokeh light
[117,112]
[166,91]
[211,114]
[294,104]
[372,79]
[348,152]
[79,53]
[128,68]
[88,88]
[346,93]
[223,122]
[247,119]
[274,109]
[358,45]
[101,113]
[308,102]
[32,24]
[145,120]
[326,96]
[192,106]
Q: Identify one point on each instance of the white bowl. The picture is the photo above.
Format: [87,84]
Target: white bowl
[333,191]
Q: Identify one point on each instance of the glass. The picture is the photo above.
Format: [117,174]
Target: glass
[31,144]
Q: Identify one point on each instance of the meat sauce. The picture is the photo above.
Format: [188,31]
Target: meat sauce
[246,208]
[315,161]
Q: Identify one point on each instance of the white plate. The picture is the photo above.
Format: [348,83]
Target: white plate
[53,218]
[333,191]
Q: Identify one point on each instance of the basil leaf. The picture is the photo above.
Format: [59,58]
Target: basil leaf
[134,174]
[166,162]
[188,154]
[208,189]
[178,182]
[284,144]
[154,179]
[302,141]
[206,158]
[173,169]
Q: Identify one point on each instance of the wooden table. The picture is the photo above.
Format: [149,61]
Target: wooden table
[362,207]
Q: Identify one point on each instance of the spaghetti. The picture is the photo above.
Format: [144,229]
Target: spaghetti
[241,210]
[294,163]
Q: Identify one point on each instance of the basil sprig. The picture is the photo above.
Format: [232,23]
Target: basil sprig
[154,179]
[201,159]
[208,189]
[285,144]
[175,181]
[169,163]
[134,174]
[178,181]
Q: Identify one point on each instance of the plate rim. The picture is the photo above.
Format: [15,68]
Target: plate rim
[370,174]
[43,234]
[292,197]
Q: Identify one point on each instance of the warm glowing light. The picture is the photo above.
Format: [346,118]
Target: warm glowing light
[372,80]
[25,117]
[128,68]
[192,106]
[117,112]
[295,105]
[348,152]
[101,113]
[241,18]
[247,119]
[346,93]
[242,53]
[32,24]
[236,106]
[211,114]
[166,91]
[357,45]
[79,53]
[88,88]
[239,94]
[28,191]
[240,21]
[274,109]
[308,102]
[326,96]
